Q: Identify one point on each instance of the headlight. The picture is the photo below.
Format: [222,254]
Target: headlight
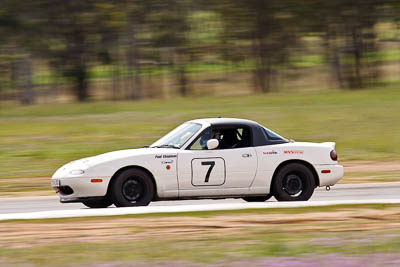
[77,172]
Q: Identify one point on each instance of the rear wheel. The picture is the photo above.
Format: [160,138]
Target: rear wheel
[294,182]
[132,187]
[257,198]
[97,203]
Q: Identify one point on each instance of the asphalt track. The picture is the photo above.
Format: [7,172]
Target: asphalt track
[49,207]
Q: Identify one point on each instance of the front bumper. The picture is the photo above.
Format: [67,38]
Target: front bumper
[69,188]
[334,175]
[78,199]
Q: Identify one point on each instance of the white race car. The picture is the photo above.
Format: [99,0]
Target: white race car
[205,158]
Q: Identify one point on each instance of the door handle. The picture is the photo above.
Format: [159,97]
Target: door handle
[246,155]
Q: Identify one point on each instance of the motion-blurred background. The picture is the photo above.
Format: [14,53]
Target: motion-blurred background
[78,78]
[84,77]
[53,50]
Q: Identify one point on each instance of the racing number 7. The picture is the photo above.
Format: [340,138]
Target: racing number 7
[211,164]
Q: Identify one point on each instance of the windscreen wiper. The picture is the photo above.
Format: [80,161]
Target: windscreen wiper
[167,146]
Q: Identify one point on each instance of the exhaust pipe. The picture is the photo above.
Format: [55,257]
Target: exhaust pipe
[328,188]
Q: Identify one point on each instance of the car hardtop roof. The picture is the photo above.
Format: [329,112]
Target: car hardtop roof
[226,121]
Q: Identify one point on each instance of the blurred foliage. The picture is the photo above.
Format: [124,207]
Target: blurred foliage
[67,40]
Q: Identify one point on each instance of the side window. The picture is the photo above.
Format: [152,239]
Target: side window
[201,141]
[235,137]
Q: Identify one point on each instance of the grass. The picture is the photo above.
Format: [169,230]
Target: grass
[215,213]
[36,140]
[221,237]
[198,251]
[367,177]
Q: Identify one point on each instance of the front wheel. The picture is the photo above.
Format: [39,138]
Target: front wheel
[294,182]
[132,187]
[97,203]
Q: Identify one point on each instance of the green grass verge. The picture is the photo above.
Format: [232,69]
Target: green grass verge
[214,213]
[260,244]
[36,140]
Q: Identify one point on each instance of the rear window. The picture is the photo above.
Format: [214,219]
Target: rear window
[271,135]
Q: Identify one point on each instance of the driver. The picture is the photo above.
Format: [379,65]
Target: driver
[204,138]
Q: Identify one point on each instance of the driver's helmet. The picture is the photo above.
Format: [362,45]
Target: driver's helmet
[204,138]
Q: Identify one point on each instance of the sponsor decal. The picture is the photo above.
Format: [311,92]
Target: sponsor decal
[169,156]
[293,151]
[164,156]
[273,152]
[167,161]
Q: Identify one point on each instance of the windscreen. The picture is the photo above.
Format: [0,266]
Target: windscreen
[179,136]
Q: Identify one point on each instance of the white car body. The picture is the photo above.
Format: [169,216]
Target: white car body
[180,173]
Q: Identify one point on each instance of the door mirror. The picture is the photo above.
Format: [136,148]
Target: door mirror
[212,144]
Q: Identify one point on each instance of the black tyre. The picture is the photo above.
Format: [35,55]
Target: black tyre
[257,198]
[97,203]
[294,182]
[132,187]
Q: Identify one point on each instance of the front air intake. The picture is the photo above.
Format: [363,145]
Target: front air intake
[66,190]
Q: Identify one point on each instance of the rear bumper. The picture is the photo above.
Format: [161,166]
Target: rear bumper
[329,174]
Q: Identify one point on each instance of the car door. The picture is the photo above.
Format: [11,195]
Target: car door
[227,170]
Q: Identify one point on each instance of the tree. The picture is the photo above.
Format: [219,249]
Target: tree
[347,28]
[137,12]
[76,34]
[170,28]
[267,26]
[18,35]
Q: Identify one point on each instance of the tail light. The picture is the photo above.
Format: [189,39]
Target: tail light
[334,155]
